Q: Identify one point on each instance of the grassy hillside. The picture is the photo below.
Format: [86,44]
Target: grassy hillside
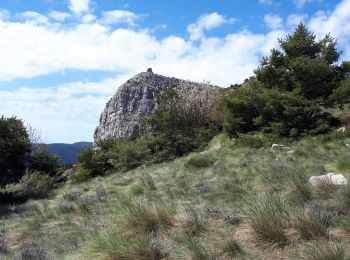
[232,201]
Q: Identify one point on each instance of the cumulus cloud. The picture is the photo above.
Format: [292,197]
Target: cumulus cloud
[36,46]
[294,19]
[78,6]
[273,21]
[58,16]
[205,23]
[65,113]
[119,16]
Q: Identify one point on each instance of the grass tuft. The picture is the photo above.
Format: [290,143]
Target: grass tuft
[325,251]
[139,215]
[266,215]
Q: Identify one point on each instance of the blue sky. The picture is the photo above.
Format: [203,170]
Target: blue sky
[61,60]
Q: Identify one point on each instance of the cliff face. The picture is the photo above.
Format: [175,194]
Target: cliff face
[125,112]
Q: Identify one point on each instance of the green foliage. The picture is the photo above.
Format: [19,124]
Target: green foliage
[303,66]
[41,160]
[253,107]
[14,149]
[291,89]
[35,184]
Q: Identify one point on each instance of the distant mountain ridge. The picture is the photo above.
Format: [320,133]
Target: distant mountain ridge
[68,153]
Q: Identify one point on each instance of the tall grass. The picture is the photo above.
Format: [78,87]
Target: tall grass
[325,251]
[140,215]
[266,215]
[128,247]
[311,224]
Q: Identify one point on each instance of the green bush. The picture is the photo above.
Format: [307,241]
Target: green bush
[14,149]
[35,184]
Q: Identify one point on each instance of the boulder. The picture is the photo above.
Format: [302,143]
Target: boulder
[337,179]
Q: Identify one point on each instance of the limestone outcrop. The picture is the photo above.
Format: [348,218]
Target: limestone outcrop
[125,112]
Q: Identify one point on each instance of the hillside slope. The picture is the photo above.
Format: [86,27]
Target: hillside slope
[232,201]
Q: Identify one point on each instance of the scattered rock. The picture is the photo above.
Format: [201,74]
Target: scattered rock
[101,194]
[243,164]
[233,218]
[337,179]
[290,155]
[342,129]
[213,210]
[204,189]
[278,147]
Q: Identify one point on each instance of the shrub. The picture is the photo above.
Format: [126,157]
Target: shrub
[35,184]
[325,251]
[41,160]
[14,149]
[138,215]
[266,215]
[251,141]
[200,161]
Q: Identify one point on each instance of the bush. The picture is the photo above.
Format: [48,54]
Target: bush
[14,149]
[266,215]
[41,160]
[35,184]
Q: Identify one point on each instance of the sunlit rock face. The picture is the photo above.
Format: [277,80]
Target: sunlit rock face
[125,112]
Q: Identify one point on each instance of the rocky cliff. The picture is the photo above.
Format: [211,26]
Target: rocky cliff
[125,112]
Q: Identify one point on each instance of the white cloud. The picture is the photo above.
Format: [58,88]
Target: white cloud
[58,16]
[119,16]
[336,22]
[294,19]
[268,2]
[34,17]
[273,21]
[301,3]
[205,23]
[78,6]
[65,113]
